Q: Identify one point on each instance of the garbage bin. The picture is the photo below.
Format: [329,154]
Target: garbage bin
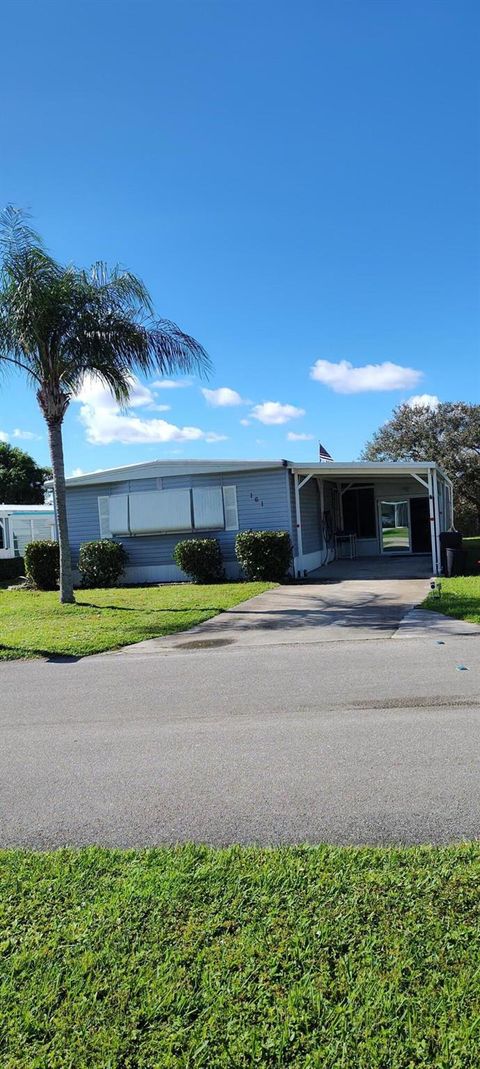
[455,561]
[448,540]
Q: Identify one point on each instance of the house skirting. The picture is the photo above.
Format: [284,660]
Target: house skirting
[161,573]
[309,562]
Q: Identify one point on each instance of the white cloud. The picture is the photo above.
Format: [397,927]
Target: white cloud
[171,384]
[106,422]
[76,471]
[292,437]
[3,436]
[272,412]
[344,378]
[245,422]
[27,436]
[224,397]
[424,400]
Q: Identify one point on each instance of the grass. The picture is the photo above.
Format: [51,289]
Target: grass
[194,958]
[460,595]
[390,534]
[34,623]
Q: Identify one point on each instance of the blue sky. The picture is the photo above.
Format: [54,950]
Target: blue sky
[297,184]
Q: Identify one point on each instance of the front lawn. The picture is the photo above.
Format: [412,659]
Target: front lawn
[35,624]
[307,957]
[460,597]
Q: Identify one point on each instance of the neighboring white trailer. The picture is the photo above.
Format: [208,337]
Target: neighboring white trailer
[20,524]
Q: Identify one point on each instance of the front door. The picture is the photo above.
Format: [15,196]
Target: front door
[420,524]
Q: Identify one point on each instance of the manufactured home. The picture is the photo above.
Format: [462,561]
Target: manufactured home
[330,509]
[20,524]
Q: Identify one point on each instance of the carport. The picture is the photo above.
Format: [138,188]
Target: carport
[368,509]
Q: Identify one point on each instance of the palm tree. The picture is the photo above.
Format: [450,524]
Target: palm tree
[59,324]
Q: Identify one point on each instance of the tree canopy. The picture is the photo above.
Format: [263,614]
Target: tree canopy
[21,478]
[448,434]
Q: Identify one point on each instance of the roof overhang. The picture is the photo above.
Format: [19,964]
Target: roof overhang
[363,469]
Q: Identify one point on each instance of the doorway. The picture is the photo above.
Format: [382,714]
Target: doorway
[420,524]
[394,526]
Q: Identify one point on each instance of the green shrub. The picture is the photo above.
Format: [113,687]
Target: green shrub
[201,559]
[102,563]
[11,568]
[42,564]
[264,554]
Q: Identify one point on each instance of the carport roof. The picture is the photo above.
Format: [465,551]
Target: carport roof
[365,468]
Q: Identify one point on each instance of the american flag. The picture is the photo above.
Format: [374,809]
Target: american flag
[323,453]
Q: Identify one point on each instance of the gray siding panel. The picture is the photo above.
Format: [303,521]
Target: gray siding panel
[311,517]
[262,498]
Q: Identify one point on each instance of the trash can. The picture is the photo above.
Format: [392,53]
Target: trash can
[448,540]
[455,561]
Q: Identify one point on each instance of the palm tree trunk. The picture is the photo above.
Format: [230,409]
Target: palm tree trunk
[58,469]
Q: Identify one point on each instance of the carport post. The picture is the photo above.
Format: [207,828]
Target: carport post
[298,516]
[437,519]
[431,513]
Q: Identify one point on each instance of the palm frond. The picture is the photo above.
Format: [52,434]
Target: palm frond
[16,235]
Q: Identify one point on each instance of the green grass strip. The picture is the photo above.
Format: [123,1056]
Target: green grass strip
[34,624]
[335,958]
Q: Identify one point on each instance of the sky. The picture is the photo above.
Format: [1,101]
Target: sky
[296,183]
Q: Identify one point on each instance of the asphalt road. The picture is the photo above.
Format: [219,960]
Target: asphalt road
[372,741]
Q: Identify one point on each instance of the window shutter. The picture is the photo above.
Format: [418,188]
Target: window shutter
[104,517]
[231,510]
[207,508]
[119,524]
[155,511]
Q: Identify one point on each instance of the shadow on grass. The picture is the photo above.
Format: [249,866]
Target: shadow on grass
[27,653]
[152,608]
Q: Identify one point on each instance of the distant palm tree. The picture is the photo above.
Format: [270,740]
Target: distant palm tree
[59,324]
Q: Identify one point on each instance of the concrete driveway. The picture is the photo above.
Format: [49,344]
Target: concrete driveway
[348,600]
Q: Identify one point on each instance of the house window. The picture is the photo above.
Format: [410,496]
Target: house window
[359,512]
[2,535]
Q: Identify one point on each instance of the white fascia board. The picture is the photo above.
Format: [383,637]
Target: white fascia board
[363,468]
[164,468]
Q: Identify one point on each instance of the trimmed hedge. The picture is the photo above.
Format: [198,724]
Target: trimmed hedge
[264,554]
[201,559]
[42,564]
[102,563]
[11,568]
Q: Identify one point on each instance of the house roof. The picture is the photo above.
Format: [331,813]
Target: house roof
[159,468]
